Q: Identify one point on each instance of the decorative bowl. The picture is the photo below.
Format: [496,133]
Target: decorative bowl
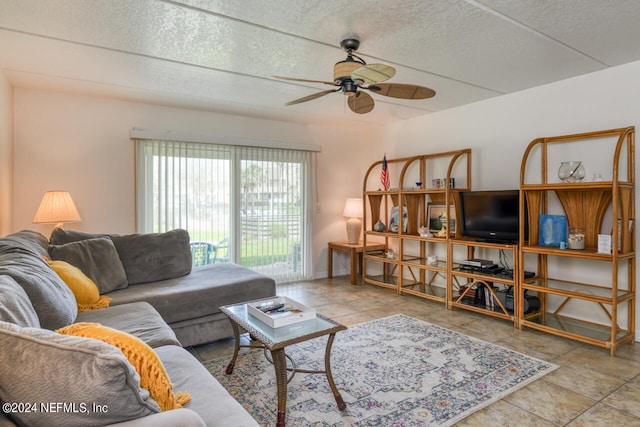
[571,171]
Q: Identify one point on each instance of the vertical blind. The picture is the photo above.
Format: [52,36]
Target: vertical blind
[249,205]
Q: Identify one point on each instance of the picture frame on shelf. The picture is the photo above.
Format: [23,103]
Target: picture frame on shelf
[394,223]
[435,214]
[553,230]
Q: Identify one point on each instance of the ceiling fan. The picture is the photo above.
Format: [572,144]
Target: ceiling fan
[353,75]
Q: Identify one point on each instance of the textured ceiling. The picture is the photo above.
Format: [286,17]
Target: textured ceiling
[220,55]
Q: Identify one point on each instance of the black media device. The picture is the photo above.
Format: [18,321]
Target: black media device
[491,216]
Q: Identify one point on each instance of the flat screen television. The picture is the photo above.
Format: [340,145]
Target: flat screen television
[491,216]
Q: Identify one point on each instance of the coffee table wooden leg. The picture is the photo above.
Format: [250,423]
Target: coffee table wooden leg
[236,349]
[327,367]
[280,364]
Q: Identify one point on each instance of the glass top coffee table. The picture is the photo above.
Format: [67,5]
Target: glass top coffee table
[276,339]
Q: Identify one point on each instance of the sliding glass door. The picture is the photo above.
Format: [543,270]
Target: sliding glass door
[248,205]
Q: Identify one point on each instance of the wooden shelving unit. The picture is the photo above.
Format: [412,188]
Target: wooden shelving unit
[409,271]
[586,205]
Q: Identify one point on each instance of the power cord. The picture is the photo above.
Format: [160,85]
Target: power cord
[503,260]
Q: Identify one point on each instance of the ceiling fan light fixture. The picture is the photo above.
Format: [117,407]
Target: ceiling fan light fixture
[349,87]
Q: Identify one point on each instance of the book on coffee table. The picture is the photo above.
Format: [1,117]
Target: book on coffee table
[280,311]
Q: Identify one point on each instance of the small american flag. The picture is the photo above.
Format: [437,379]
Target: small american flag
[384,175]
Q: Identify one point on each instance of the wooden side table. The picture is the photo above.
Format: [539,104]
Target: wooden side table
[355,254]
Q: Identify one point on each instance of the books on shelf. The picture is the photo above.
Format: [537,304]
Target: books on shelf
[469,296]
[489,300]
[280,311]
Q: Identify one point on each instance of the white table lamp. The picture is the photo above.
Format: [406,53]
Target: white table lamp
[353,211]
[56,207]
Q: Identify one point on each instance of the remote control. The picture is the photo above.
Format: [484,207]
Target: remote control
[272,307]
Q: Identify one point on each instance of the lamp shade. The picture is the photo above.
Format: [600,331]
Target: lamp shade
[353,208]
[56,207]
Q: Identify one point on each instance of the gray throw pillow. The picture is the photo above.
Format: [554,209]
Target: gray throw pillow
[151,257]
[15,306]
[51,298]
[44,367]
[60,236]
[146,257]
[97,258]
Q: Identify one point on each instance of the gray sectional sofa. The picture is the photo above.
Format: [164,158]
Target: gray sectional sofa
[156,297]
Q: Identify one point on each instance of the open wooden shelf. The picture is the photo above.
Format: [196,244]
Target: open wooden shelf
[410,273]
[585,205]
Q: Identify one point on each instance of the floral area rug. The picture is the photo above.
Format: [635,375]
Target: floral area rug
[397,371]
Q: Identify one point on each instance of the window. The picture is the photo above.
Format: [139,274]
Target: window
[243,204]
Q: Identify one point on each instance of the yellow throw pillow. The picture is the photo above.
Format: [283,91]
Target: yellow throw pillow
[153,375]
[83,288]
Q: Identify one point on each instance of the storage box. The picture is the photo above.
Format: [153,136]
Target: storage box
[280,311]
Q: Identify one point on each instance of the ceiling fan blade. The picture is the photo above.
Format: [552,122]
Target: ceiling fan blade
[295,79]
[402,91]
[361,103]
[311,97]
[373,73]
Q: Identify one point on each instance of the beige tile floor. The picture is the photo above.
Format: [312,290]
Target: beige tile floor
[590,388]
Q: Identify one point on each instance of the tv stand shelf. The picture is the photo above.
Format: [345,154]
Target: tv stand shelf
[461,282]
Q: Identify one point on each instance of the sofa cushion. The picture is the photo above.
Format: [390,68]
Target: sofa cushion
[97,258]
[84,289]
[153,375]
[74,370]
[52,300]
[145,257]
[200,293]
[26,240]
[15,306]
[139,319]
[190,375]
[177,418]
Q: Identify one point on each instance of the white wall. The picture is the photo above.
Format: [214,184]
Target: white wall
[346,156]
[6,154]
[499,129]
[81,144]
